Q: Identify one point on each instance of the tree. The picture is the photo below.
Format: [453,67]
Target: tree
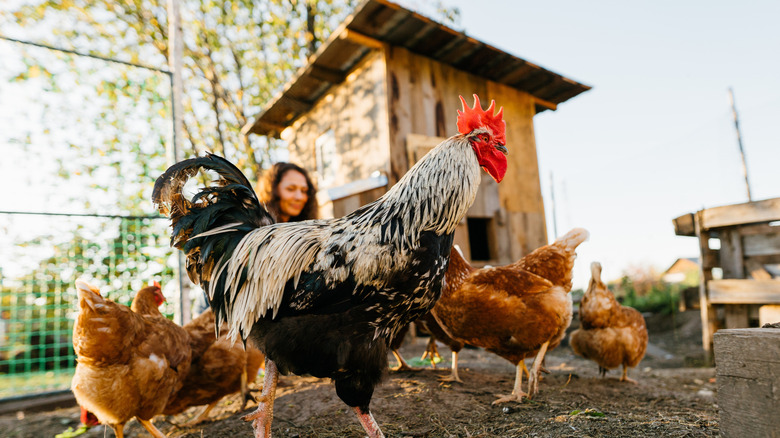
[237,53]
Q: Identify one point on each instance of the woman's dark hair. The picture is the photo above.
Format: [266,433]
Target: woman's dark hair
[268,191]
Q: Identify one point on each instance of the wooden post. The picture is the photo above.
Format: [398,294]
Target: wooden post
[173,154]
[748,376]
[708,317]
[552,199]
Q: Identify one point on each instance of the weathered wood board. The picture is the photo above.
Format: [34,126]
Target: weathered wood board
[739,291]
[727,215]
[748,376]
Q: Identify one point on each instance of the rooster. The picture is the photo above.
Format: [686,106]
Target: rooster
[322,297]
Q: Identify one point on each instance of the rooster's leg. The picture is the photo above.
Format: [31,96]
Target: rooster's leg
[533,379]
[368,423]
[453,377]
[402,365]
[147,424]
[625,376]
[517,392]
[262,417]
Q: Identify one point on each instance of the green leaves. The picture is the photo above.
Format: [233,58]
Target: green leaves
[587,413]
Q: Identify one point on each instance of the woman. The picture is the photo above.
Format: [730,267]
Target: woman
[288,193]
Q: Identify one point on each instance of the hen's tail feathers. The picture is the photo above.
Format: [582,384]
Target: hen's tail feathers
[571,240]
[595,271]
[595,277]
[208,227]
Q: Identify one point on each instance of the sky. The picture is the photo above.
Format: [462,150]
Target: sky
[654,138]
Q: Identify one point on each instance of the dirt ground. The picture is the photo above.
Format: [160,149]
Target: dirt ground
[675,397]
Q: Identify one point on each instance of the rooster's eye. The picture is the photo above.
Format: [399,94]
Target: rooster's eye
[484,137]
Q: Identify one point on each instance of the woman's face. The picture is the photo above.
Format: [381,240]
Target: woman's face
[292,194]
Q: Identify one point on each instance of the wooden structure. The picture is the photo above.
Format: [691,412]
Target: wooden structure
[748,376]
[749,249]
[383,90]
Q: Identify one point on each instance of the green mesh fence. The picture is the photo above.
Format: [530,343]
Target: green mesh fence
[38,301]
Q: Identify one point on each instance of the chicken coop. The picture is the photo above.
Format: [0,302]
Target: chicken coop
[383,90]
[739,261]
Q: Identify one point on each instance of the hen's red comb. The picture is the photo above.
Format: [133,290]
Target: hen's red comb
[157,285]
[472,118]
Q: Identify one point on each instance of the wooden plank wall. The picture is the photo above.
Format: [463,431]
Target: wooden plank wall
[423,99]
[356,110]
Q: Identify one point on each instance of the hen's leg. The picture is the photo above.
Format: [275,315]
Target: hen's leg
[525,370]
[245,392]
[203,415]
[453,377]
[625,376]
[517,392]
[533,379]
[368,423]
[262,417]
[118,430]
[147,424]
[431,352]
[402,365]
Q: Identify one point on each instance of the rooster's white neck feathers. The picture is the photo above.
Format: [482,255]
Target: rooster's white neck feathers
[432,197]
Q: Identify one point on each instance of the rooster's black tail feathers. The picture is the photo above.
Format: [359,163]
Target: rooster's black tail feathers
[229,204]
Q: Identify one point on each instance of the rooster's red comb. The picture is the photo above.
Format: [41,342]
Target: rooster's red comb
[472,118]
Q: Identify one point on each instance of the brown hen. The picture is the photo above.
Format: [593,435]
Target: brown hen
[514,311]
[610,334]
[129,364]
[219,367]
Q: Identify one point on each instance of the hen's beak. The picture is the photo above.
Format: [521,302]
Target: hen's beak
[502,148]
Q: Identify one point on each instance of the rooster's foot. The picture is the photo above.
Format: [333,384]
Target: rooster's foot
[260,423]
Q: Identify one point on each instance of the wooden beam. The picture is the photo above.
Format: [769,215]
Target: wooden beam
[739,291]
[38,402]
[326,74]
[731,254]
[363,40]
[711,259]
[760,211]
[683,225]
[297,106]
[709,321]
[261,127]
[544,103]
[762,244]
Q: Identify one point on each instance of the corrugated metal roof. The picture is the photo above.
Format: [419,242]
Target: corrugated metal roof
[380,21]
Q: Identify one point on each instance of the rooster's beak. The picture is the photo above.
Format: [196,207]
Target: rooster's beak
[502,148]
